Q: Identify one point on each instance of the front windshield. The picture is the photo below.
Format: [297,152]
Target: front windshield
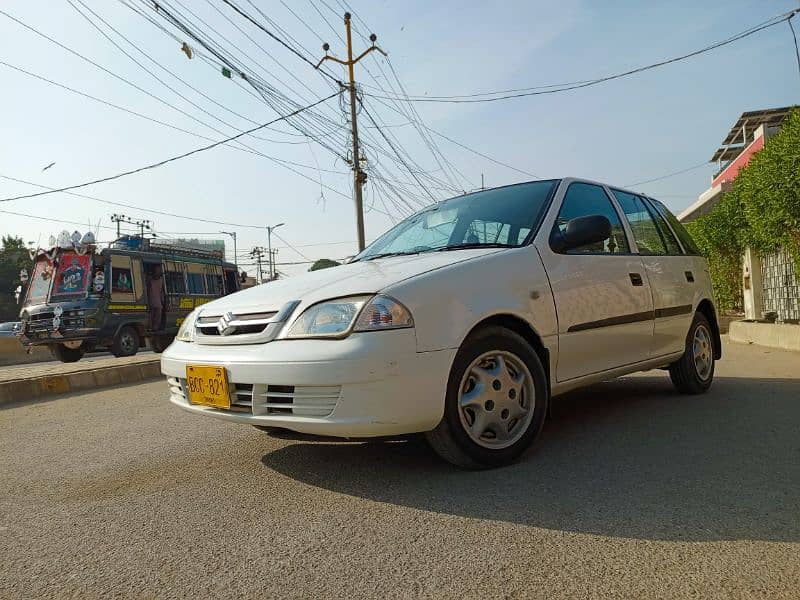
[39,284]
[498,217]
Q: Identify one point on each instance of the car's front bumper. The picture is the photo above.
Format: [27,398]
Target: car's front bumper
[369,384]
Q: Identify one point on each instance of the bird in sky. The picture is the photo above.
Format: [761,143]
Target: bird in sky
[48,166]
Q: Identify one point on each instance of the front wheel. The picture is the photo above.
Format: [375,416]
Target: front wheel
[159,343]
[66,355]
[496,401]
[694,371]
[126,343]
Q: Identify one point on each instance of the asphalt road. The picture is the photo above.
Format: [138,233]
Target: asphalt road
[633,491]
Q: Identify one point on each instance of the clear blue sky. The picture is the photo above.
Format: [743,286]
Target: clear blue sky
[620,132]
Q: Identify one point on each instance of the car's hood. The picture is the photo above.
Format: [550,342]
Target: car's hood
[362,277]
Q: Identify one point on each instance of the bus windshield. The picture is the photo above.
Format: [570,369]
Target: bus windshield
[40,281]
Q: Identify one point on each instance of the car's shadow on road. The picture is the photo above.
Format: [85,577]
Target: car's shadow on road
[629,458]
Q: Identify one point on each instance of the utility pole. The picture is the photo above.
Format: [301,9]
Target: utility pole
[257,253]
[359,176]
[235,259]
[119,219]
[273,261]
[140,225]
[269,247]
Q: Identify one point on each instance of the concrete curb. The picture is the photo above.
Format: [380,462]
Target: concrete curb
[34,388]
[766,334]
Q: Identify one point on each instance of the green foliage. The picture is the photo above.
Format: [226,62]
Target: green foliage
[324,263]
[13,257]
[762,210]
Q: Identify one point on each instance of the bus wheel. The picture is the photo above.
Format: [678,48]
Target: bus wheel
[126,343]
[64,354]
[159,343]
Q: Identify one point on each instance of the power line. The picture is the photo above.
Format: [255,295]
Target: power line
[279,40]
[275,99]
[173,158]
[280,161]
[470,98]
[461,145]
[290,246]
[794,37]
[686,170]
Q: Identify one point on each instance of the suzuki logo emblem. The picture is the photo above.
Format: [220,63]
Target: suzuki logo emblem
[224,323]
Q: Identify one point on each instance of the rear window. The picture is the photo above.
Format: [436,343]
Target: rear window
[684,236]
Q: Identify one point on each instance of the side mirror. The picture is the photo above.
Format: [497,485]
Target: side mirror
[581,231]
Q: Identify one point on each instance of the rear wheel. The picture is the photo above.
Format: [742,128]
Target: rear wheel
[694,371]
[496,401]
[66,355]
[126,343]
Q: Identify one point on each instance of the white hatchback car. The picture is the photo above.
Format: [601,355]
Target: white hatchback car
[462,322]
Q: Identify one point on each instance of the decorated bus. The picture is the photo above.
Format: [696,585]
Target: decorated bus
[80,297]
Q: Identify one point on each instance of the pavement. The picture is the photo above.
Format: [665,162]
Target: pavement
[633,491]
[54,367]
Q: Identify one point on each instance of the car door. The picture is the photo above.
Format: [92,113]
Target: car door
[602,297]
[669,271]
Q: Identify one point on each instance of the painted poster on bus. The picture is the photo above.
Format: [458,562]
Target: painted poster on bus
[72,276]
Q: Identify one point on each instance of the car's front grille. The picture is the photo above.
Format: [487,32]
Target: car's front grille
[264,400]
[238,323]
[299,401]
[177,387]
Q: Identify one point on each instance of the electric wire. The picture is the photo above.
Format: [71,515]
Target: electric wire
[466,99]
[668,175]
[167,160]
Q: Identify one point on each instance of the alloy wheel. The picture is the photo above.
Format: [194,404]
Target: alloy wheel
[702,352]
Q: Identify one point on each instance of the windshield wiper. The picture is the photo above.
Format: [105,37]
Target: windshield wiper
[467,245]
[385,254]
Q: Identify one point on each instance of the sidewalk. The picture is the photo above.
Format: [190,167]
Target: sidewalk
[31,381]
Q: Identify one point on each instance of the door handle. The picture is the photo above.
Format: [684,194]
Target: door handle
[689,276]
[636,279]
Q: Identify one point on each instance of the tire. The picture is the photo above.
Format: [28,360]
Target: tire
[471,436]
[126,343]
[159,343]
[691,374]
[66,355]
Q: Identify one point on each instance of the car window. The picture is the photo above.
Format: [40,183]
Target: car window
[584,199]
[673,247]
[684,236]
[644,228]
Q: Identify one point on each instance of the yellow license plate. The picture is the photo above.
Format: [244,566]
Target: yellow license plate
[208,384]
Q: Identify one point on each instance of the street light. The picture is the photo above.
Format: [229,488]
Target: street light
[235,259]
[269,248]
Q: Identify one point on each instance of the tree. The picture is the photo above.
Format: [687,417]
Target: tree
[324,263]
[761,210]
[13,257]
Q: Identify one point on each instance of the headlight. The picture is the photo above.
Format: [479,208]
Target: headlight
[186,331]
[337,318]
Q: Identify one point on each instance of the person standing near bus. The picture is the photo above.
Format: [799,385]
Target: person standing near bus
[155,296]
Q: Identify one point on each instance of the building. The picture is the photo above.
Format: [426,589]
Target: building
[196,244]
[770,286]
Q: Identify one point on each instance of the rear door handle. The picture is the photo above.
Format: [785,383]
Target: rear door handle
[636,279]
[689,276]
